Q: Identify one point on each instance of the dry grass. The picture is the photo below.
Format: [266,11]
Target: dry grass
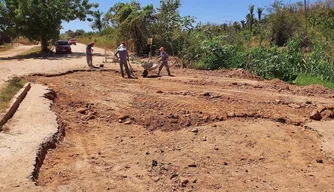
[9,91]
[32,51]
[100,41]
[5,47]
[23,41]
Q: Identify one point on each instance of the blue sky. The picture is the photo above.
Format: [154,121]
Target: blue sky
[214,11]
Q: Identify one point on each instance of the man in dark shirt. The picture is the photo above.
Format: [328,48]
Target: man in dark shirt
[123,56]
[163,61]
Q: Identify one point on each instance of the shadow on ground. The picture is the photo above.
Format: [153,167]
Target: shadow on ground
[49,56]
[153,76]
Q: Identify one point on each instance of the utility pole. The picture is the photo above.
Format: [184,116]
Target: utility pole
[305,7]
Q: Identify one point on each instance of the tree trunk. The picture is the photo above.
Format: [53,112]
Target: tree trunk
[44,43]
[305,7]
[138,46]
[171,46]
[251,25]
[137,40]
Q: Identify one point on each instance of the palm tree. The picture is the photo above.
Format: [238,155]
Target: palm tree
[236,26]
[97,22]
[225,26]
[251,17]
[248,20]
[259,13]
[243,22]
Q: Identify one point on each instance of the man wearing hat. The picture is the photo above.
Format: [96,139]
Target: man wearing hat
[123,56]
[89,57]
[163,60]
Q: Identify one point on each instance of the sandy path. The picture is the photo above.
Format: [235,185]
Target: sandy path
[56,64]
[16,50]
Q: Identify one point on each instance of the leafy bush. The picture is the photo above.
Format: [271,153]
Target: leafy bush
[269,63]
[215,56]
[283,24]
[287,63]
[298,49]
[319,64]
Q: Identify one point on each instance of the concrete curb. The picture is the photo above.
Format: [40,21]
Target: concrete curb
[14,104]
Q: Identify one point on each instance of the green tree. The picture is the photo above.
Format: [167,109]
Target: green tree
[236,26]
[168,22]
[69,33]
[225,25]
[306,20]
[243,23]
[323,19]
[79,32]
[251,17]
[259,13]
[283,24]
[6,25]
[132,22]
[41,19]
[97,21]
[248,21]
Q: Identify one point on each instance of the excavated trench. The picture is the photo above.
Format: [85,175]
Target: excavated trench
[51,142]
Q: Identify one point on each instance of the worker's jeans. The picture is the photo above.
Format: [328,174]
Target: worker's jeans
[162,64]
[125,64]
[89,60]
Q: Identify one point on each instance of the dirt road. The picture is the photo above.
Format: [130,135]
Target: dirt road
[16,50]
[197,131]
[52,64]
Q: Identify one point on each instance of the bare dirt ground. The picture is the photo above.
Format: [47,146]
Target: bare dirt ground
[11,66]
[16,50]
[197,131]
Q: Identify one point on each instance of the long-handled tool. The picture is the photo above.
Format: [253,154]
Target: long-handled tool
[131,70]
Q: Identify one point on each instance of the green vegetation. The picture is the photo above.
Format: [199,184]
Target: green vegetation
[283,43]
[9,91]
[41,20]
[286,63]
[306,79]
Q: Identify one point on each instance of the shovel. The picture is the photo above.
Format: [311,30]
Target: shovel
[131,70]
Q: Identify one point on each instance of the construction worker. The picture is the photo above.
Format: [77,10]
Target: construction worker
[163,61]
[89,54]
[123,56]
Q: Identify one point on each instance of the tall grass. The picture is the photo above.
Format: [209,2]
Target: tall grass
[100,41]
[9,91]
[5,47]
[24,41]
[308,79]
[285,63]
